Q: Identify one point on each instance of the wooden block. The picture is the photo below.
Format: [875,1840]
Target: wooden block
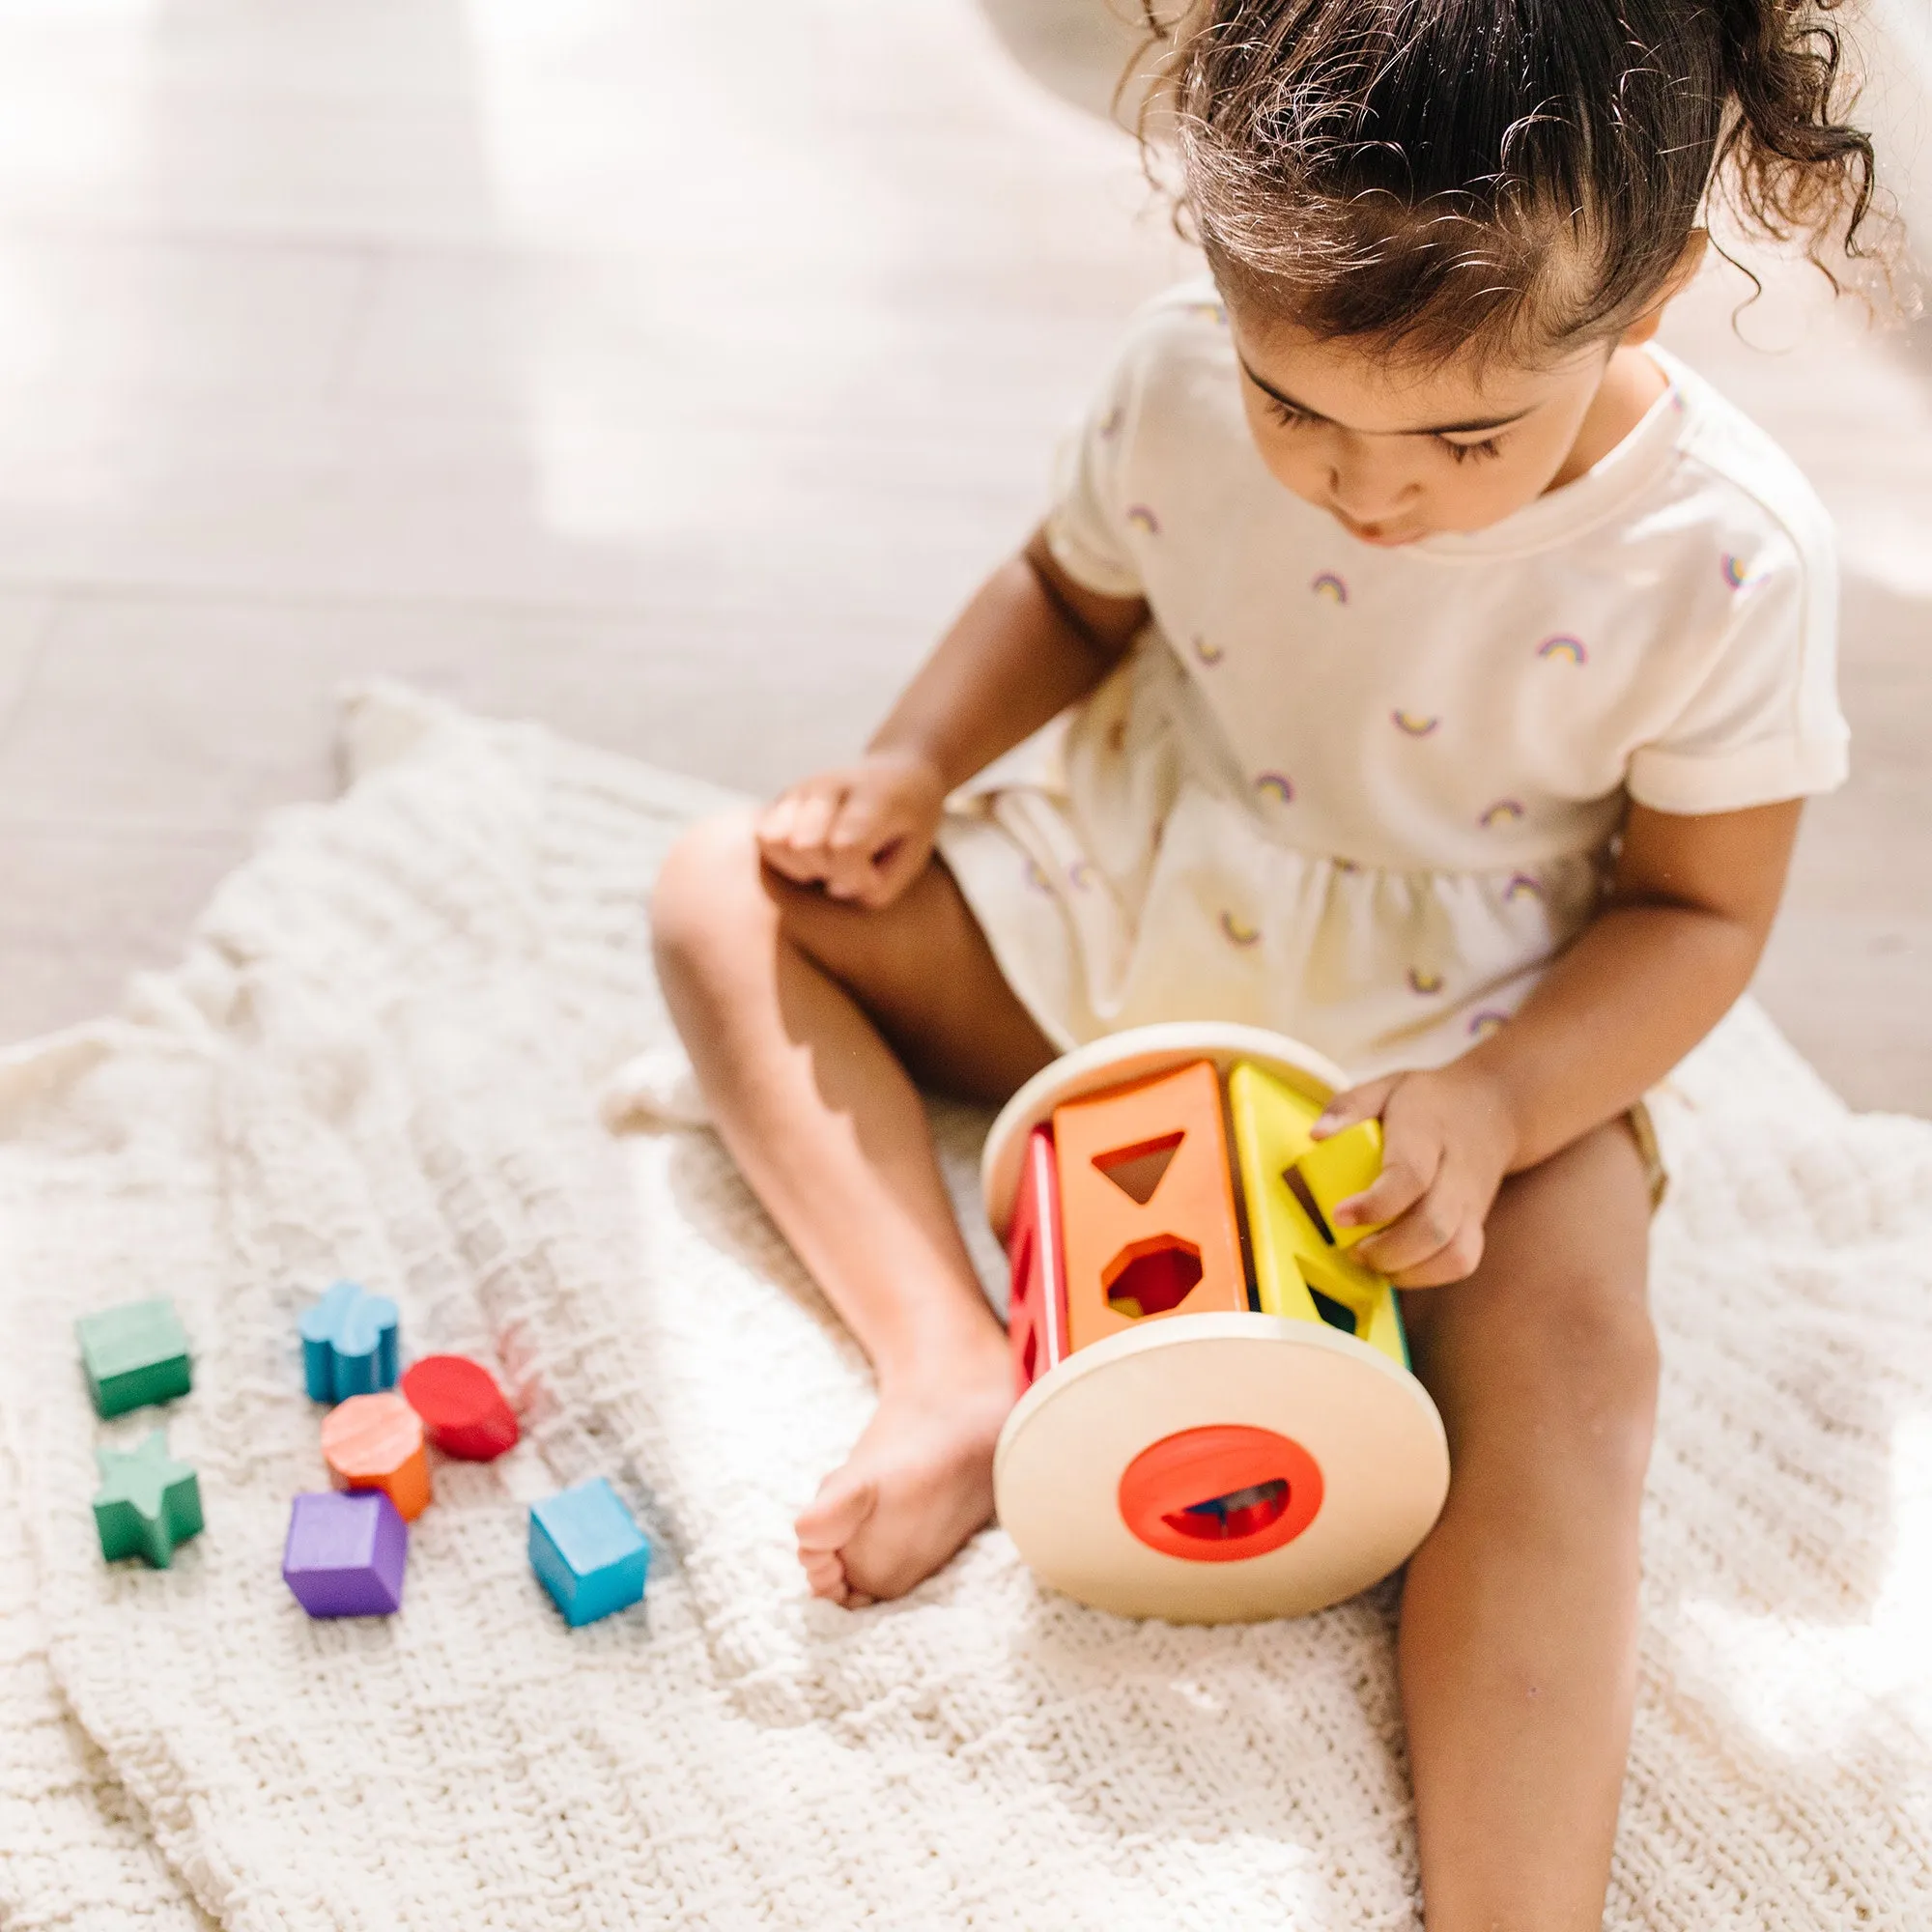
[1343,1165]
[461,1406]
[1146,1204]
[148,1502]
[1037,1311]
[376,1442]
[134,1355]
[587,1552]
[348,1342]
[346,1554]
[1294,1251]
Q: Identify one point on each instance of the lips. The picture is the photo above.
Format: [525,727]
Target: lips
[1381,535]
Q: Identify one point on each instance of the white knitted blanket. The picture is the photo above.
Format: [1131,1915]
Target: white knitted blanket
[381,1057]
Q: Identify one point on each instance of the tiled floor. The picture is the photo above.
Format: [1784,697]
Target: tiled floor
[667,373]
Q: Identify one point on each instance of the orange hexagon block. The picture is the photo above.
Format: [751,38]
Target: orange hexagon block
[376,1442]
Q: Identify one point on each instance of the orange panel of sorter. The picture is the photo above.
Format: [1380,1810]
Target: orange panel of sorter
[1147,1206]
[1037,1311]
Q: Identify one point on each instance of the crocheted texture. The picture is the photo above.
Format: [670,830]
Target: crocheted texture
[381,1057]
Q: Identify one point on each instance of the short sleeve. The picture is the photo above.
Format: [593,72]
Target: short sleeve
[1763,724]
[1086,529]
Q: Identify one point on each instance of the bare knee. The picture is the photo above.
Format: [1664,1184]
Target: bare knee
[708,906]
[1599,1403]
[1559,1398]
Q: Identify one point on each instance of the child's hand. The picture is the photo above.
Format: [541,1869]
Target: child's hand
[863,832]
[1447,1142]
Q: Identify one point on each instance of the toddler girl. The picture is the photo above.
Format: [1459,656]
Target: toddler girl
[1413,659]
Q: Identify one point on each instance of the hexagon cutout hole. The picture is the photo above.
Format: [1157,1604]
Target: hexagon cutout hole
[1152,1276]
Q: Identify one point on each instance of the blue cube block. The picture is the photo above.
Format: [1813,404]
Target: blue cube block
[587,1552]
[349,1344]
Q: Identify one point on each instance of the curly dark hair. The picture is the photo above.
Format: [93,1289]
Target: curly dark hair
[1516,175]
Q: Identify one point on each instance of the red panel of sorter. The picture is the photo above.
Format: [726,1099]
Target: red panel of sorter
[1037,1313]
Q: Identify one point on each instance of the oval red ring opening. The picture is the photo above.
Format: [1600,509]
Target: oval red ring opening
[1220,1494]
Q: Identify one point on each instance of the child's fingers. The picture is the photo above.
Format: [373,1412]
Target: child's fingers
[1358,1103]
[896,867]
[802,869]
[1402,1200]
[1407,1176]
[1455,1261]
[773,825]
[792,834]
[1431,1235]
[811,819]
[860,830]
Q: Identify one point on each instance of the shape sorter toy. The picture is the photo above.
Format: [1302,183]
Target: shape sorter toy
[1192,1441]
[345,1554]
[348,1342]
[147,1503]
[376,1442]
[587,1552]
[463,1410]
[135,1354]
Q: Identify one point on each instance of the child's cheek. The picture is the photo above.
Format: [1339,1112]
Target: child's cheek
[1294,462]
[1481,492]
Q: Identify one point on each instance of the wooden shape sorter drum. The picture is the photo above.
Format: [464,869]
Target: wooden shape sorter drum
[1188,1445]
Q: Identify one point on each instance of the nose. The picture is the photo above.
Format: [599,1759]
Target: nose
[1370,486]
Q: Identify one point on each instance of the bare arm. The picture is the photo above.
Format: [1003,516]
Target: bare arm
[1690,907]
[1031,641]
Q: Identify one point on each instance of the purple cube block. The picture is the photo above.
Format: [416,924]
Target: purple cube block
[345,1554]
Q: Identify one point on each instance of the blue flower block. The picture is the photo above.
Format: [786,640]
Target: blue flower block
[587,1552]
[349,1344]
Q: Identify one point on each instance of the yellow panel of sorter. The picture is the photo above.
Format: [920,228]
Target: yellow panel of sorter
[1292,1252]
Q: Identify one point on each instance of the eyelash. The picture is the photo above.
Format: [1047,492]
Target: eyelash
[1459,452]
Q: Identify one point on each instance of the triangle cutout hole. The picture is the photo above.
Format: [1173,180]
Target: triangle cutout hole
[1138,1170]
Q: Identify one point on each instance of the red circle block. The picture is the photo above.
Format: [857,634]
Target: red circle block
[1220,1494]
[463,1410]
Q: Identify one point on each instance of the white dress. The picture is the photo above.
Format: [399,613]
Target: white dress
[1360,795]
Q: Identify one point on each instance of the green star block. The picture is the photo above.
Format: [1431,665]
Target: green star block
[148,1501]
[135,1353]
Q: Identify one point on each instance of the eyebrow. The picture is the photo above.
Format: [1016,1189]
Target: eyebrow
[1288,402]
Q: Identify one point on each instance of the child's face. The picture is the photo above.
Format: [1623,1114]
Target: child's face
[1396,453]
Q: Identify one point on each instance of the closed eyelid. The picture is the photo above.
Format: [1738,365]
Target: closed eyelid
[1287,410]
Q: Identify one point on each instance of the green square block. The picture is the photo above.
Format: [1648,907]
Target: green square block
[135,1353]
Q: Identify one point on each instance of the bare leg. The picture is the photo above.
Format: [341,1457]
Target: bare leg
[787,1002]
[1518,1619]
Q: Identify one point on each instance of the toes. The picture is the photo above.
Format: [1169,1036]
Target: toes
[835,1517]
[825,1575]
[824,1572]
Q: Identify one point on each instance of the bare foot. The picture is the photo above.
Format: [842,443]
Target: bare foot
[918,1483]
